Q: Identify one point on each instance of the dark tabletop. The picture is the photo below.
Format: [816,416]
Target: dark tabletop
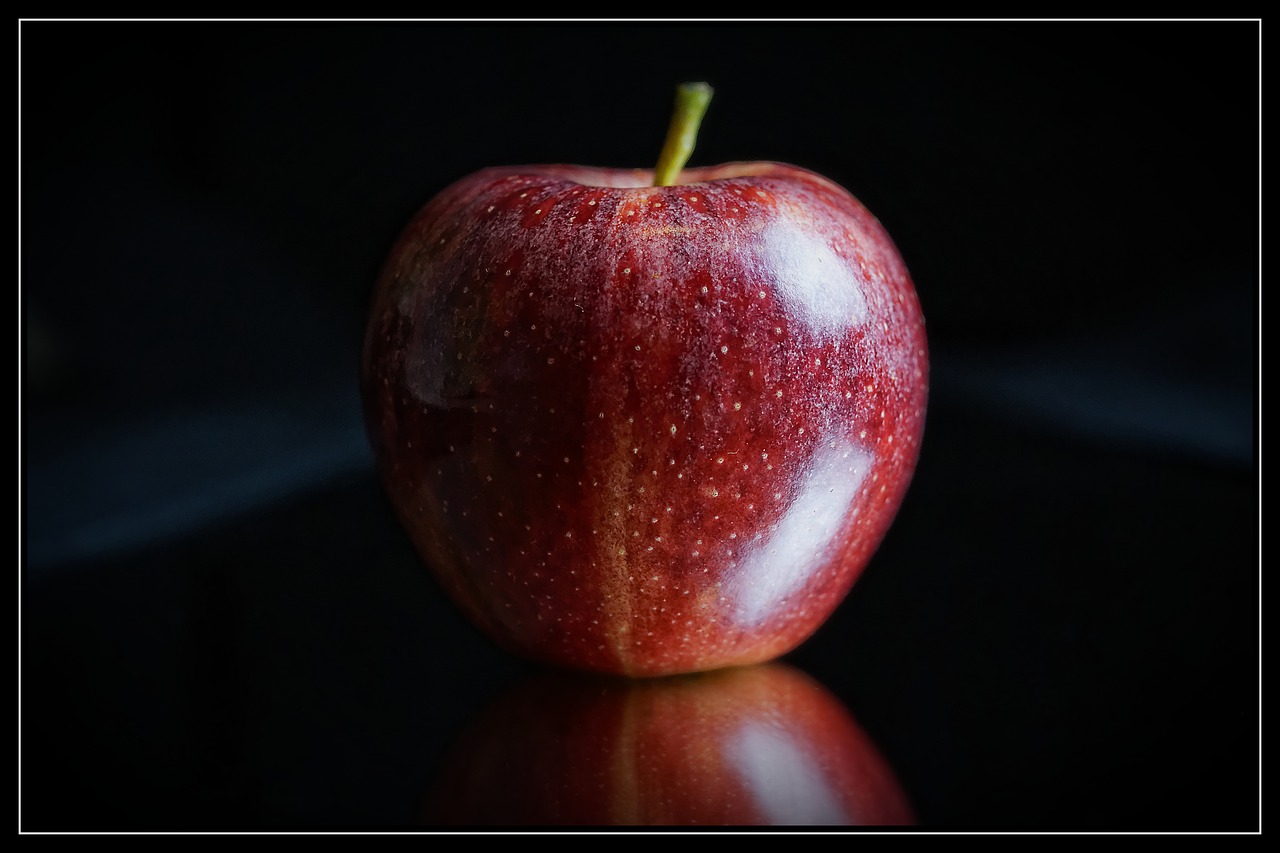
[224,628]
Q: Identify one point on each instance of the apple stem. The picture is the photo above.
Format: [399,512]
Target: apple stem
[691,106]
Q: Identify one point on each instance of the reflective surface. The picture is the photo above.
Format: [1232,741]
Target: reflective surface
[756,746]
[298,669]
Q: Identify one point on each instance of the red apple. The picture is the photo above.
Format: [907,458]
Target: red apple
[646,429]
[747,746]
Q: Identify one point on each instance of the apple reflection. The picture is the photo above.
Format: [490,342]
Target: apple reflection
[763,745]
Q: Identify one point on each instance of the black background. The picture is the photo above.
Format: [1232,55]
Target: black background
[222,627]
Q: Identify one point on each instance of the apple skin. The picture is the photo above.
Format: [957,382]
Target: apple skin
[645,430]
[764,745]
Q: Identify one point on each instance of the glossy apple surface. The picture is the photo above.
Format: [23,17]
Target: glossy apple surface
[646,430]
[748,746]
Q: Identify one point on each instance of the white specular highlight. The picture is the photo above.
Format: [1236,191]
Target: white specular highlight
[814,282]
[785,779]
[798,546]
